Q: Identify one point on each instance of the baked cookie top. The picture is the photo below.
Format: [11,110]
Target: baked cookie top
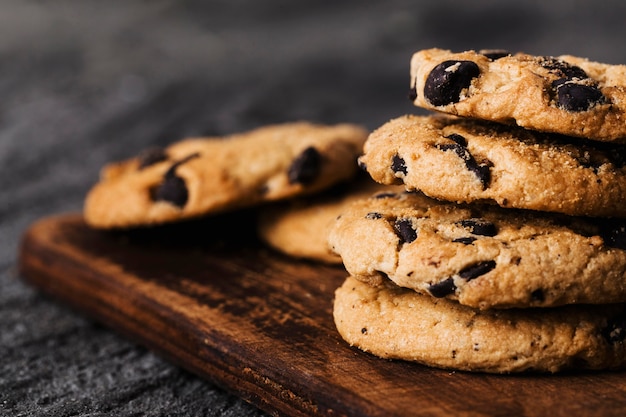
[200,176]
[299,227]
[564,94]
[396,323]
[483,256]
[465,160]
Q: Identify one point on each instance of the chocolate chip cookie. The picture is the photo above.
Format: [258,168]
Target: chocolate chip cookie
[397,323]
[564,94]
[481,255]
[467,160]
[300,227]
[200,176]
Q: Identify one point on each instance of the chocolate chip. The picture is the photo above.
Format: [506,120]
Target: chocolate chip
[447,286]
[442,288]
[385,195]
[306,167]
[465,240]
[458,139]
[494,54]
[447,80]
[474,271]
[537,295]
[482,170]
[173,188]
[404,229]
[578,97]
[413,93]
[563,69]
[615,330]
[151,156]
[373,216]
[398,164]
[479,227]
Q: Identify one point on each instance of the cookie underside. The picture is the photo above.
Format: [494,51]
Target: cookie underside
[397,323]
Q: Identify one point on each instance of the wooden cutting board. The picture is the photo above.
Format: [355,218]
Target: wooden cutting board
[209,297]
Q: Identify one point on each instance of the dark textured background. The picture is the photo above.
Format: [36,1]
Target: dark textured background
[86,82]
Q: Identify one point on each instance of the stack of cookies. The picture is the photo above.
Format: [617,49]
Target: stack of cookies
[492,237]
[507,252]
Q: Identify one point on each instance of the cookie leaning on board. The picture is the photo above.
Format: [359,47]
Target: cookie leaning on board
[299,227]
[565,94]
[201,176]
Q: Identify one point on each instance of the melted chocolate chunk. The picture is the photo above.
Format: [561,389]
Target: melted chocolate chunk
[404,229]
[563,69]
[465,240]
[398,164]
[306,167]
[570,93]
[575,97]
[385,195]
[151,156]
[442,288]
[457,139]
[482,170]
[413,93]
[173,188]
[615,330]
[373,216]
[479,227]
[474,271]
[447,80]
[537,295]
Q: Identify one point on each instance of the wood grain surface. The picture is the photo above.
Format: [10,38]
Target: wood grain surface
[209,297]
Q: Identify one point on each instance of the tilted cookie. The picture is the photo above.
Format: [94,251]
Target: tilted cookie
[564,94]
[464,160]
[195,177]
[300,227]
[396,323]
[483,256]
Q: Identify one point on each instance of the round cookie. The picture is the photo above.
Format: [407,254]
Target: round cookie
[483,256]
[565,94]
[396,323]
[465,160]
[199,176]
[300,227]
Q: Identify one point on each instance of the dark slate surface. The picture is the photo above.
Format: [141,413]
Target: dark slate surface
[86,82]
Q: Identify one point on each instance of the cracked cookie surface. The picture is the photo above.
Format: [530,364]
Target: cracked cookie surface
[200,176]
[463,160]
[397,323]
[565,94]
[482,256]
